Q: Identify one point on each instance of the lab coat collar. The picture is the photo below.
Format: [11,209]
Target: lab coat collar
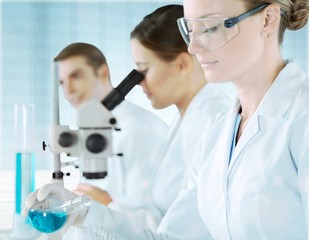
[276,103]
[280,95]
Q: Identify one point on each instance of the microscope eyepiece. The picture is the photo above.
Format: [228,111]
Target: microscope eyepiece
[118,94]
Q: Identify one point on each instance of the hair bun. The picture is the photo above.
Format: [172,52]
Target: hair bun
[298,15]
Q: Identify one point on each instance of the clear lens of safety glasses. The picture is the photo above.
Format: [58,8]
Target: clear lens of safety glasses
[208,33]
[212,33]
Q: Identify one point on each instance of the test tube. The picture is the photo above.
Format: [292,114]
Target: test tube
[50,215]
[24,168]
[25,158]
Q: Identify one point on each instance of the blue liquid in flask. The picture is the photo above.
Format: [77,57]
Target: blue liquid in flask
[47,221]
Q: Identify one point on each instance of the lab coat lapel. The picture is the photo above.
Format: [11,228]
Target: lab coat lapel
[250,131]
[220,169]
[225,151]
[275,103]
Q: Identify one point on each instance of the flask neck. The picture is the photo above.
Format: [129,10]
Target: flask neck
[75,205]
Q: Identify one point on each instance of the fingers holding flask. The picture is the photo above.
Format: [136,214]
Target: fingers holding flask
[52,207]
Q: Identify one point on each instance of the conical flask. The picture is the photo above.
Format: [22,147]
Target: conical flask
[51,214]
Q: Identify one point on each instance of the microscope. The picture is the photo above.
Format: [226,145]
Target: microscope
[91,143]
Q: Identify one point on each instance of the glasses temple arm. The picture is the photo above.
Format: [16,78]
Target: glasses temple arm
[228,23]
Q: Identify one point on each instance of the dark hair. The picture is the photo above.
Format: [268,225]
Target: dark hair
[294,15]
[93,55]
[159,32]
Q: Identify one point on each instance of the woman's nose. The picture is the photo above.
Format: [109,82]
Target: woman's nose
[195,46]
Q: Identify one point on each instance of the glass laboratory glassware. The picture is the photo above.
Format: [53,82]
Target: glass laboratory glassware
[50,215]
[24,167]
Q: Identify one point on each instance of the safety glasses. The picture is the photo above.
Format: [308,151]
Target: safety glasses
[212,33]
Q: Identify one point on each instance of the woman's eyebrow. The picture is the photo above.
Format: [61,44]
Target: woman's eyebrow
[209,15]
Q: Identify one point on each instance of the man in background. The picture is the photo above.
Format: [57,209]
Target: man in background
[84,75]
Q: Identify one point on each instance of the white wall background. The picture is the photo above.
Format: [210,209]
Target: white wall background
[32,34]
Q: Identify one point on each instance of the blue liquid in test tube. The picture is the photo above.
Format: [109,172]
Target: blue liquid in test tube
[25,178]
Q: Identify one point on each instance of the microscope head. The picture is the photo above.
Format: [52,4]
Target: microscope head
[92,141]
[96,138]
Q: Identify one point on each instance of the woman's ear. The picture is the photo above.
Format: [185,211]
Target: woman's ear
[185,62]
[271,19]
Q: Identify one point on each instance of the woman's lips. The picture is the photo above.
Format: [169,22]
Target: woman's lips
[204,62]
[207,64]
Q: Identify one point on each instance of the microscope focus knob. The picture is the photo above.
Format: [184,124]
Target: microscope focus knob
[44,145]
[66,139]
[96,143]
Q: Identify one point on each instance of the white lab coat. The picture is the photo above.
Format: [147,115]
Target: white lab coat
[264,192]
[207,106]
[182,143]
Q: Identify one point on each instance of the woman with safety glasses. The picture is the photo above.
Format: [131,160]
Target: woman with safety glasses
[254,184]
[250,179]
